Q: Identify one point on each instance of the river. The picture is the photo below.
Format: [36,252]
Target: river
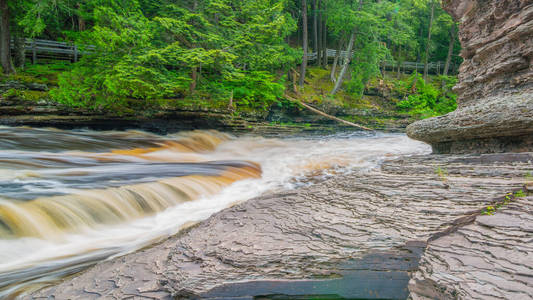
[70,198]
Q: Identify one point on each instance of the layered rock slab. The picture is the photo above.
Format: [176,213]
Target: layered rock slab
[497,124]
[367,228]
[492,258]
[495,89]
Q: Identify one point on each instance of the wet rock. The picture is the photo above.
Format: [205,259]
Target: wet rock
[495,89]
[355,236]
[17,85]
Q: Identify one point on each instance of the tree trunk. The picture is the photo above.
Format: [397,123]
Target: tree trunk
[294,85]
[5,39]
[194,78]
[426,58]
[19,50]
[450,50]
[335,62]
[81,21]
[325,114]
[319,24]
[315,29]
[338,83]
[399,61]
[325,38]
[304,42]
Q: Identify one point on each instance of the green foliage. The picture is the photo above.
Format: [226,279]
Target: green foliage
[147,50]
[519,194]
[442,173]
[529,176]
[256,89]
[491,210]
[232,46]
[365,65]
[427,99]
[25,95]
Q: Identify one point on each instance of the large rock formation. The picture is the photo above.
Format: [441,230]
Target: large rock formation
[495,89]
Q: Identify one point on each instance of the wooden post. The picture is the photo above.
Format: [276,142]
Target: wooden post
[34,52]
[230,105]
[75,53]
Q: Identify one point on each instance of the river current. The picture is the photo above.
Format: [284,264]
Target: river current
[71,198]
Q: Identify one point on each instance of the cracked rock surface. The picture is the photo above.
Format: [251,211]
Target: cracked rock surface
[492,258]
[355,236]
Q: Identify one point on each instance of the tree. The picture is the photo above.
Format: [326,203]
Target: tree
[338,82]
[453,33]
[5,38]
[305,43]
[166,49]
[324,35]
[335,62]
[426,56]
[347,58]
[316,47]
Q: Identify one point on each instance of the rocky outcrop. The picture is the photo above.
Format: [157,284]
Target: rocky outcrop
[495,89]
[356,236]
[497,124]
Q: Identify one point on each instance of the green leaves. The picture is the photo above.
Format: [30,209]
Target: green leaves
[140,56]
[427,99]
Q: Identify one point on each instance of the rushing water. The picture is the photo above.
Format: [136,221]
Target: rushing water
[71,198]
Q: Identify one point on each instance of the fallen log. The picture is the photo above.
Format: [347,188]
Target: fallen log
[326,115]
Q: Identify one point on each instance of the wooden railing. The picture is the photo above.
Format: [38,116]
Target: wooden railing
[45,49]
[433,67]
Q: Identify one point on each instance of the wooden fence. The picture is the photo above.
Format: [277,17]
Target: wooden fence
[433,67]
[45,49]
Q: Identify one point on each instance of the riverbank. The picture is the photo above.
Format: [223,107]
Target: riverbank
[26,100]
[358,235]
[275,122]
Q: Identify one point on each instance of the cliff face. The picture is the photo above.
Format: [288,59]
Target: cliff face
[497,47]
[495,89]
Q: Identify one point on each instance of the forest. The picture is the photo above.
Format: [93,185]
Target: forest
[245,53]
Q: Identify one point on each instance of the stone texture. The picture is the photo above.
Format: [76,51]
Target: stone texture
[367,228]
[495,89]
[497,41]
[492,258]
[496,124]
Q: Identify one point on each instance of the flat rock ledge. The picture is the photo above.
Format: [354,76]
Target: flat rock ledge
[352,236]
[498,124]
